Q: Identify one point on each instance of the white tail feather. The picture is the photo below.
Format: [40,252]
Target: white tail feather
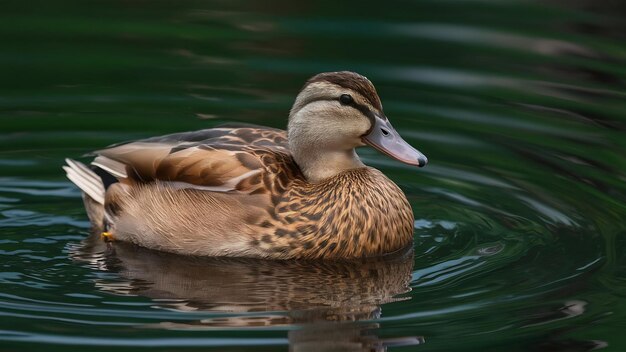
[87,180]
[111,166]
[93,179]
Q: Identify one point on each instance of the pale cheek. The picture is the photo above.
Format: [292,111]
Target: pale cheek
[359,126]
[330,126]
[350,130]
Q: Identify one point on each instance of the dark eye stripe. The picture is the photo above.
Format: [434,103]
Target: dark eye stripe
[346,99]
[361,107]
[367,112]
[364,110]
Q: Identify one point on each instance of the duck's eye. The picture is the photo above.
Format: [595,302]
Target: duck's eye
[346,99]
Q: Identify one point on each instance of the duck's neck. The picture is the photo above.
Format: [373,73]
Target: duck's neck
[318,164]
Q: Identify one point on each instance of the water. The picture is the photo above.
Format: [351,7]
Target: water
[519,233]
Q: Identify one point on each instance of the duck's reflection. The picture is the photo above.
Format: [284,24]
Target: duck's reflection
[322,301]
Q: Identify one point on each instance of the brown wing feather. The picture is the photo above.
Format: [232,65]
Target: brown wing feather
[222,159]
[267,136]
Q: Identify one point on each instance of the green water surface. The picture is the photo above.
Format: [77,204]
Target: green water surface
[520,215]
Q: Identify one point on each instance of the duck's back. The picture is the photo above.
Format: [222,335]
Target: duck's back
[220,159]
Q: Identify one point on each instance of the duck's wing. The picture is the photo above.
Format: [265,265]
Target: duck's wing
[247,160]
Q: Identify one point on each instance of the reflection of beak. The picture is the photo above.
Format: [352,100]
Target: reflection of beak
[386,139]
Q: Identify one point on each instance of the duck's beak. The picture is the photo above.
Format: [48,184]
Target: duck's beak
[386,139]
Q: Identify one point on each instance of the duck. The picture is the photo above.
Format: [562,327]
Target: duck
[260,192]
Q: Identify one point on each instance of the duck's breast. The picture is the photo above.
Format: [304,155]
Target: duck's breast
[354,214]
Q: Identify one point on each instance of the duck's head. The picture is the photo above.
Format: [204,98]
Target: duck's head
[336,112]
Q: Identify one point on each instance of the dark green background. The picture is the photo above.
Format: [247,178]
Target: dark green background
[520,215]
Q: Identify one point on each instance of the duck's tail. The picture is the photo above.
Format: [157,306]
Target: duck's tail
[86,179]
[93,189]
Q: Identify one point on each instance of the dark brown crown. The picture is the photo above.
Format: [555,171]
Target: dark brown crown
[350,80]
